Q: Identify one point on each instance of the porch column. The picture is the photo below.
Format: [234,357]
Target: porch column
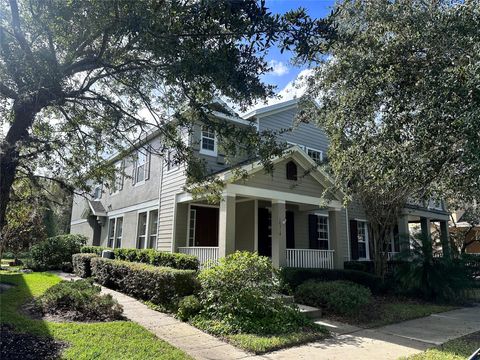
[339,257]
[279,233]
[226,226]
[403,233]
[425,227]
[444,238]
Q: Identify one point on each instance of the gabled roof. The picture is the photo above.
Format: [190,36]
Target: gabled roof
[295,153]
[93,208]
[267,110]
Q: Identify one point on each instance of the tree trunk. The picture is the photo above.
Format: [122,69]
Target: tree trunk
[23,117]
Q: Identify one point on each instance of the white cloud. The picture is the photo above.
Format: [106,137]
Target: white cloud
[278,68]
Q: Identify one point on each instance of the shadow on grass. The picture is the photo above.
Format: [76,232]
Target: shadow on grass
[22,337]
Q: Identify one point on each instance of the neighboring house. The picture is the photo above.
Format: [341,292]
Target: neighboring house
[466,228]
[281,215]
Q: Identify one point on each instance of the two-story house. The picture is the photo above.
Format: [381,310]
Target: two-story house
[282,214]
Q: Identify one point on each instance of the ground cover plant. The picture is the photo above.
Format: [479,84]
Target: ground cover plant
[457,349]
[238,301]
[78,300]
[113,340]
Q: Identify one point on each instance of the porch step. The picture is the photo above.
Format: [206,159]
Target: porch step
[287,299]
[310,311]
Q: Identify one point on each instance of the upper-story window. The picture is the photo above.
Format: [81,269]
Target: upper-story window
[362,236]
[208,143]
[118,178]
[316,155]
[141,166]
[97,192]
[291,168]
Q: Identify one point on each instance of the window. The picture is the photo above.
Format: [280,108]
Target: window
[208,143]
[170,161]
[118,178]
[362,231]
[152,229]
[291,168]
[142,230]
[111,233]
[322,232]
[191,228]
[147,235]
[140,166]
[118,232]
[97,192]
[316,155]
[115,232]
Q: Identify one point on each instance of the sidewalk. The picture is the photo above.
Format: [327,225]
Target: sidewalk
[386,342]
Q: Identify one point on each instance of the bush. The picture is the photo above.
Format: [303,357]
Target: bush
[158,258]
[293,277]
[365,266]
[149,256]
[238,296]
[338,297]
[188,307]
[56,252]
[79,300]
[159,285]
[81,264]
[94,249]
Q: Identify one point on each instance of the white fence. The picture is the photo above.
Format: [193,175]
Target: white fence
[203,253]
[310,258]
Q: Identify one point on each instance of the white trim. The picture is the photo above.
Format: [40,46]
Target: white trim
[208,152]
[136,207]
[267,194]
[367,241]
[271,109]
[205,205]
[147,225]
[77,222]
[293,144]
[236,119]
[194,226]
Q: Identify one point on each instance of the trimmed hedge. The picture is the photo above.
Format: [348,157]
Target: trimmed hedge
[365,266]
[81,264]
[159,285]
[293,277]
[94,249]
[338,297]
[150,256]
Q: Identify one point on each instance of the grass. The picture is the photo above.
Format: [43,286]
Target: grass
[458,349]
[109,340]
[261,344]
[389,310]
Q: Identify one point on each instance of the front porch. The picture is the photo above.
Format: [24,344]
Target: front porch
[291,230]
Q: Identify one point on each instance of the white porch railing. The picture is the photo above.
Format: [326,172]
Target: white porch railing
[310,258]
[203,253]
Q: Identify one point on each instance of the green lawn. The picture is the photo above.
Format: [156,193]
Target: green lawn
[389,310]
[109,340]
[458,349]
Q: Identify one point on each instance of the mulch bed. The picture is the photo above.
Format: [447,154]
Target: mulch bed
[18,346]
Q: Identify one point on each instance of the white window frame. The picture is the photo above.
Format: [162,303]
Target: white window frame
[295,144]
[115,230]
[190,239]
[328,229]
[140,152]
[147,226]
[118,177]
[316,150]
[367,240]
[99,188]
[169,167]
[203,151]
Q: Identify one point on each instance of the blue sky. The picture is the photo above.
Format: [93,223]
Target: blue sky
[285,71]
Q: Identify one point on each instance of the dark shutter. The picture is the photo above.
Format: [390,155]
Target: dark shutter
[290,229]
[353,240]
[134,171]
[313,231]
[122,169]
[148,158]
[291,171]
[396,238]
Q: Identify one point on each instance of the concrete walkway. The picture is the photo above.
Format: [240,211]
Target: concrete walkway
[387,342]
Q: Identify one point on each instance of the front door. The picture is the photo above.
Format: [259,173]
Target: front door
[206,225]
[264,232]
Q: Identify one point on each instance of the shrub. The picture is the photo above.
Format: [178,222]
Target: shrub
[188,307]
[94,249]
[159,285]
[338,297]
[238,295]
[81,264]
[158,258]
[79,300]
[365,266]
[55,252]
[293,277]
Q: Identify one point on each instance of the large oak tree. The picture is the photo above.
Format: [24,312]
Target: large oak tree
[83,76]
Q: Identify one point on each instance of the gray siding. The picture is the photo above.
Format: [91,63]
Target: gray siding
[308,135]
